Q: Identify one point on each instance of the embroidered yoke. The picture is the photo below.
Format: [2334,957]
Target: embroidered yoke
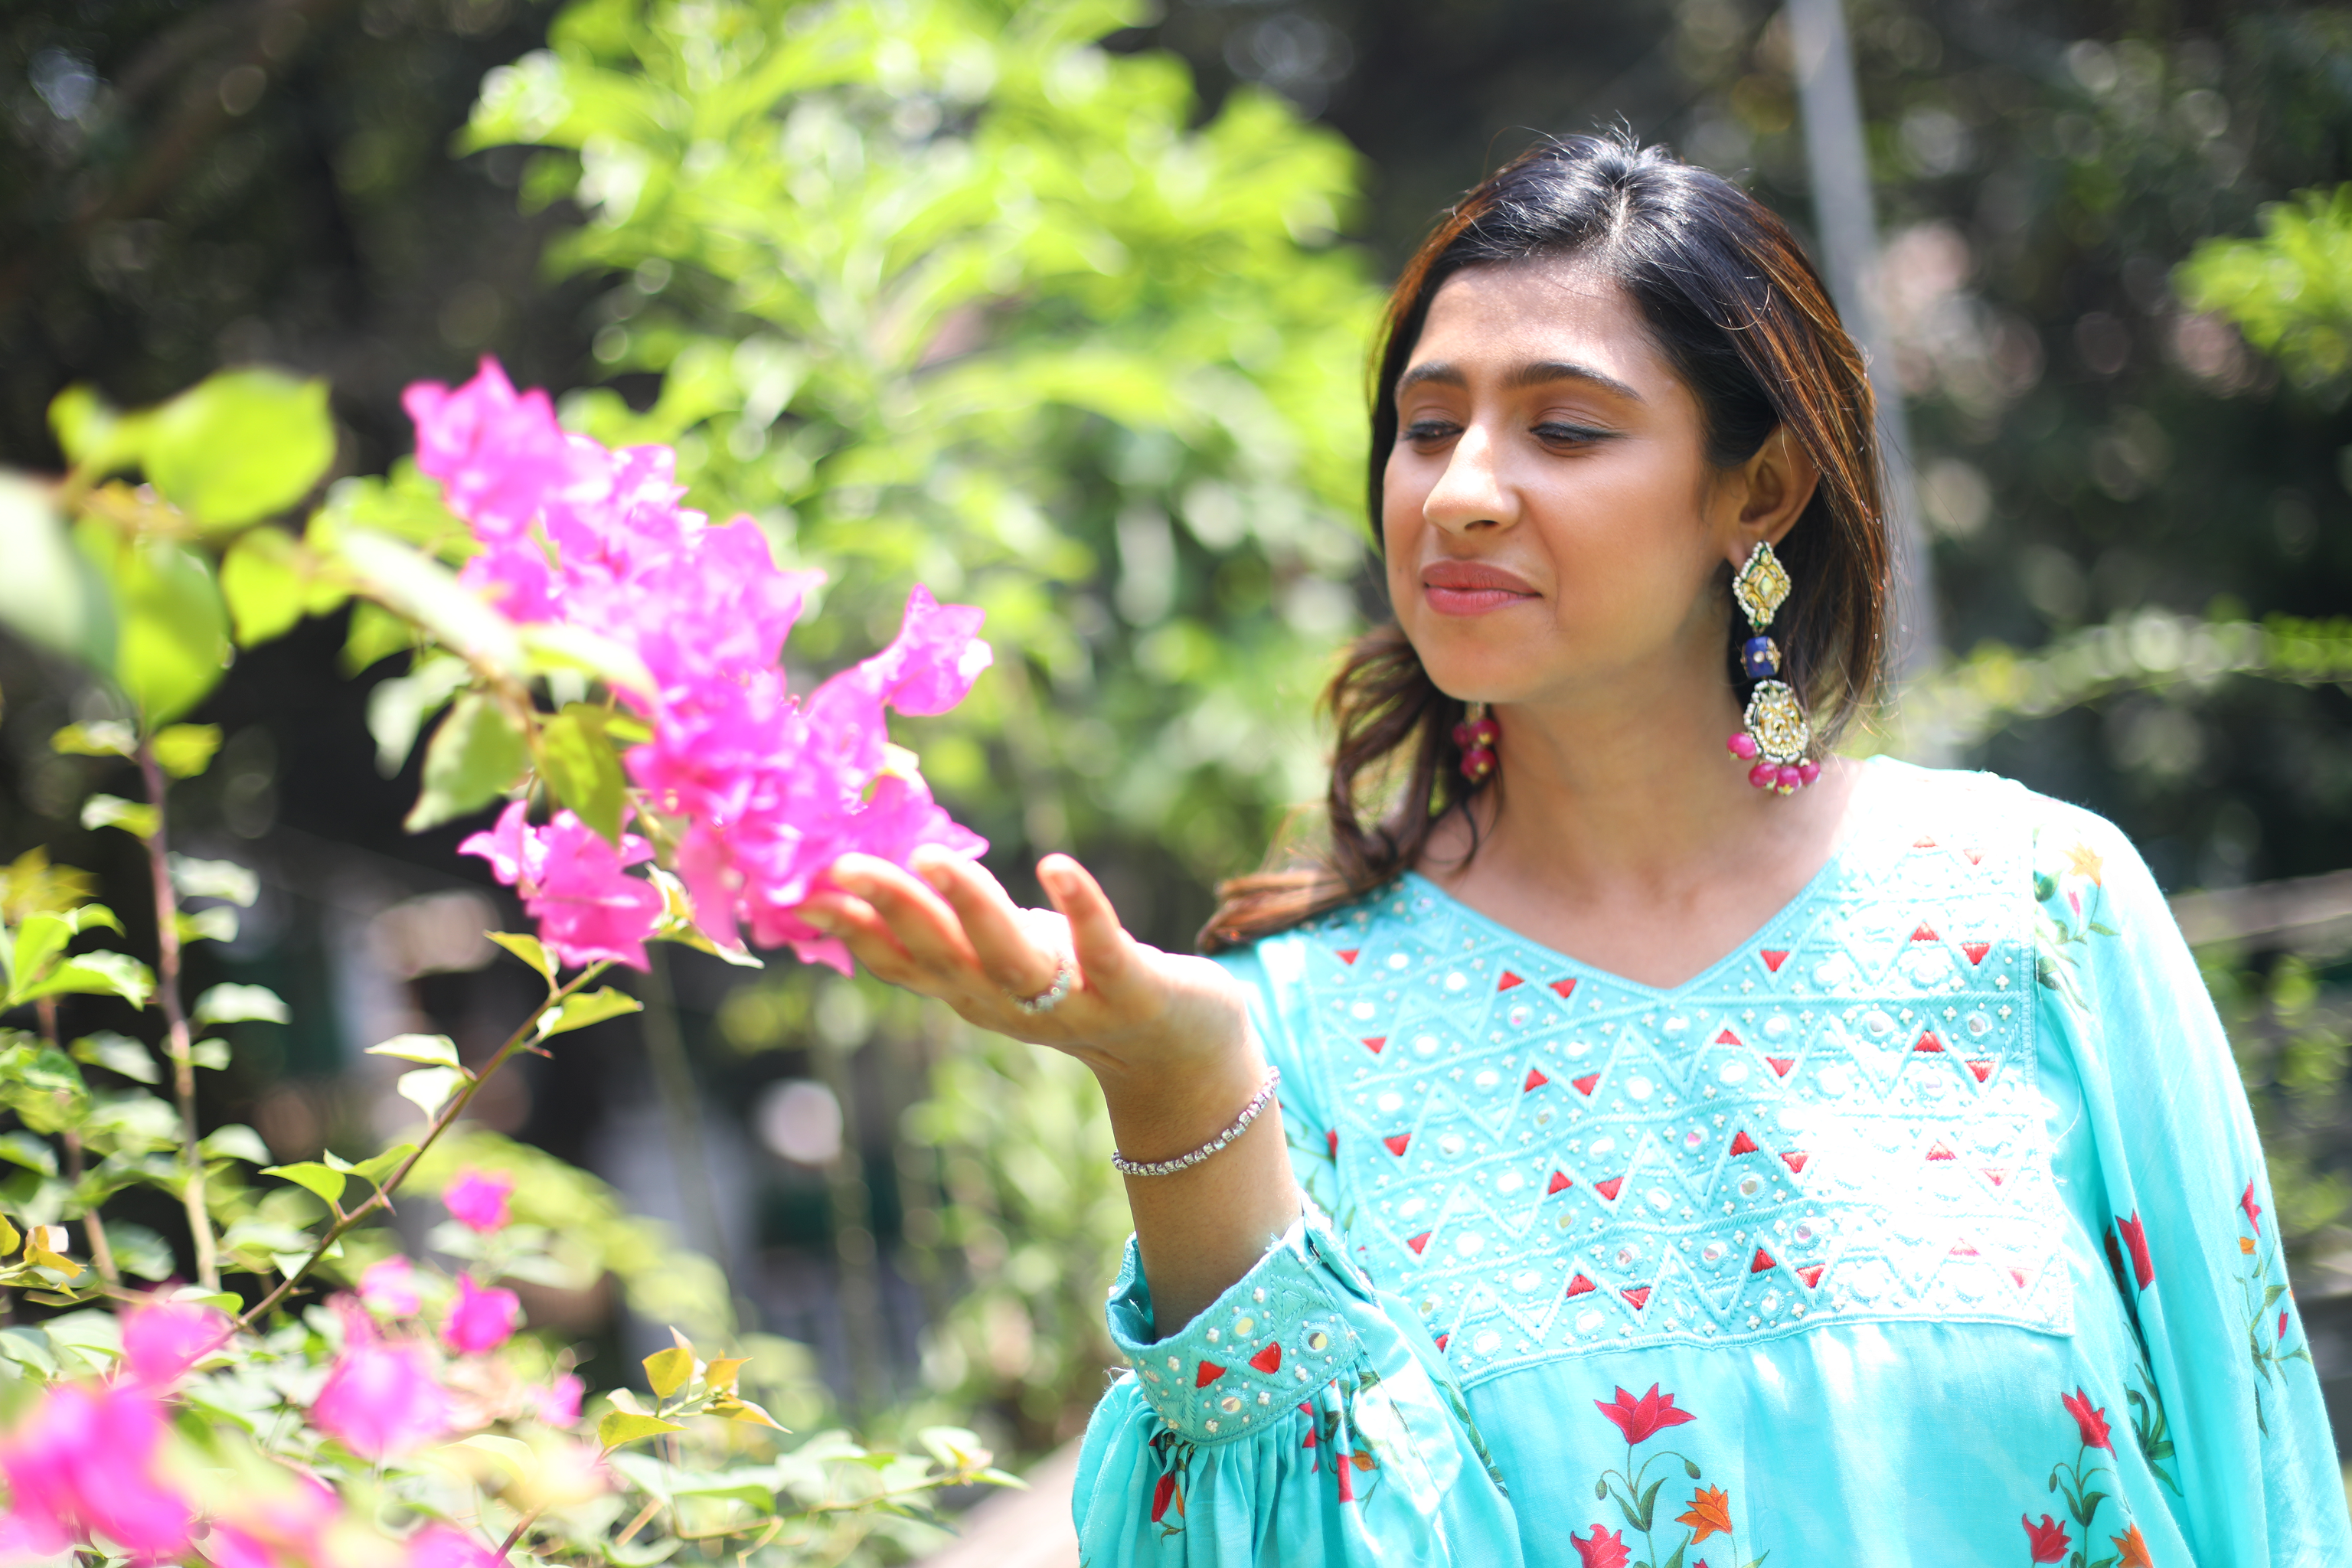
[1926,1226]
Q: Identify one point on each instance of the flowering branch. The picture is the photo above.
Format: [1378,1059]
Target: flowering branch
[525,1033]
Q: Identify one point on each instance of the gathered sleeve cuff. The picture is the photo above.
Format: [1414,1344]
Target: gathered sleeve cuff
[1301,1417]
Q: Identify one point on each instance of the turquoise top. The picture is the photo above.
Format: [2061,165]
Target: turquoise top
[1928,1226]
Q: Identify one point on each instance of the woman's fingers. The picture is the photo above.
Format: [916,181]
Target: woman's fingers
[1009,950]
[865,935]
[1104,952]
[924,925]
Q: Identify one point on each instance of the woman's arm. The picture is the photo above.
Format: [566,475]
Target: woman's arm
[1168,1037]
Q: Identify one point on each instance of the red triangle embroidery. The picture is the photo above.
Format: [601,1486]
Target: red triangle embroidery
[1347,954]
[1811,1274]
[1565,987]
[1727,1038]
[1976,950]
[1536,1080]
[1417,1243]
[1975,854]
[1929,1043]
[1207,1374]
[1780,1065]
[1560,1184]
[1773,960]
[1331,1142]
[1269,1360]
[1509,980]
[1637,1294]
[1581,1286]
[1441,1345]
[1795,1160]
[1981,1067]
[1584,1085]
[1996,1174]
[1743,1144]
[1923,931]
[1941,1151]
[2019,1276]
[1923,842]
[1964,1247]
[1396,1143]
[1761,1263]
[1374,1043]
[1609,1189]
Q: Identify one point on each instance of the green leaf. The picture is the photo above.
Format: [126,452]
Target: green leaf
[270,582]
[96,974]
[433,1051]
[527,948]
[113,811]
[99,738]
[476,753]
[171,645]
[309,1174]
[240,445]
[550,645]
[428,593]
[430,1088]
[1649,1504]
[143,1252]
[2271,1295]
[1675,1559]
[33,1154]
[210,1053]
[226,879]
[590,1007]
[234,1142]
[374,1168]
[232,1003]
[184,750]
[376,635]
[117,1054]
[583,768]
[620,1427]
[94,432]
[51,595]
[216,924]
[667,1371]
[398,707]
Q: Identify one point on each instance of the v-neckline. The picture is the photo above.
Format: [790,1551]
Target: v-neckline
[1861,810]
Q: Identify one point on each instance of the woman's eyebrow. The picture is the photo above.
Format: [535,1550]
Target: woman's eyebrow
[1536,373]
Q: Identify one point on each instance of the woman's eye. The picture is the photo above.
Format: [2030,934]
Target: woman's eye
[1555,434]
[1422,431]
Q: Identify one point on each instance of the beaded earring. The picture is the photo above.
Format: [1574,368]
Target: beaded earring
[1777,733]
[1476,736]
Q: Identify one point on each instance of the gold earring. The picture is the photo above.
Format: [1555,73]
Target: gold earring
[1776,733]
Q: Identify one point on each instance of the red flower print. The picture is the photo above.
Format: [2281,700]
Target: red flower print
[1605,1550]
[1640,1419]
[2049,1539]
[2253,1210]
[1161,1494]
[2135,1238]
[2094,1423]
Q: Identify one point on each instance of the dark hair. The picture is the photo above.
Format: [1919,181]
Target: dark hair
[1730,299]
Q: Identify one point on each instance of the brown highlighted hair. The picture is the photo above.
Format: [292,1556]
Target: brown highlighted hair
[1730,299]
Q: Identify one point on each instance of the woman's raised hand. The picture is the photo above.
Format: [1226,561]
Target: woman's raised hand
[1144,1019]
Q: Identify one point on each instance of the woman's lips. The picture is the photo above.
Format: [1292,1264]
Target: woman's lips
[1470,588]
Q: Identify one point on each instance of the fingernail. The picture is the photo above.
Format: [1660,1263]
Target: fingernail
[819,920]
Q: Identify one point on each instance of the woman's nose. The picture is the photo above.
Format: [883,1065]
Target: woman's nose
[1470,493]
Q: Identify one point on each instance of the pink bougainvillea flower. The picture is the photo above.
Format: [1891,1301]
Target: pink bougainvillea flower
[2135,1235]
[2094,1423]
[503,461]
[83,1463]
[558,1401]
[477,1199]
[447,1546]
[480,1319]
[390,1286]
[1641,1418]
[275,1526]
[161,1340]
[575,884]
[1606,1549]
[380,1400]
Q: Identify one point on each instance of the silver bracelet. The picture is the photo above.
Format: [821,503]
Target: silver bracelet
[1126,1167]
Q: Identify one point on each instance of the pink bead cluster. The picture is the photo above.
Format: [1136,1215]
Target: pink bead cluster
[1781,778]
[768,788]
[1476,737]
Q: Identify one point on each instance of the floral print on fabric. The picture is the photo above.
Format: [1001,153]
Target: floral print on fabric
[2263,1291]
[2079,1481]
[1636,1493]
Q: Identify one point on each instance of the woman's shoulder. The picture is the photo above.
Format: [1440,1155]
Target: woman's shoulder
[1975,806]
[1338,936]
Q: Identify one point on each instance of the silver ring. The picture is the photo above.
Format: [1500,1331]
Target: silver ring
[1048,999]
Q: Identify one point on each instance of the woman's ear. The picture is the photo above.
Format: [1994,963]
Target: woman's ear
[1774,487]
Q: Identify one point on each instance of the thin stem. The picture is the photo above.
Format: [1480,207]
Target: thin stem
[382,1198]
[514,1535]
[176,1042]
[102,1255]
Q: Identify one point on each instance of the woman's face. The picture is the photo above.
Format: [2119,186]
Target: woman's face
[1553,526]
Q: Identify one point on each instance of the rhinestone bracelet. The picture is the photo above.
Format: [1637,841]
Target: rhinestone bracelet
[1126,1167]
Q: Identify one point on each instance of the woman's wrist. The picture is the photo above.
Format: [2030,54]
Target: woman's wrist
[1175,1102]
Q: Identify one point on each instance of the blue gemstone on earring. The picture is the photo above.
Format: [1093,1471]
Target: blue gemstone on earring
[1759,659]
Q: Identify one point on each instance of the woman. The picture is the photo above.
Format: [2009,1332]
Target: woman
[1677,1157]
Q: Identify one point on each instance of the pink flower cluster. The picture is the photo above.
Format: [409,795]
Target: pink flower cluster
[772,790]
